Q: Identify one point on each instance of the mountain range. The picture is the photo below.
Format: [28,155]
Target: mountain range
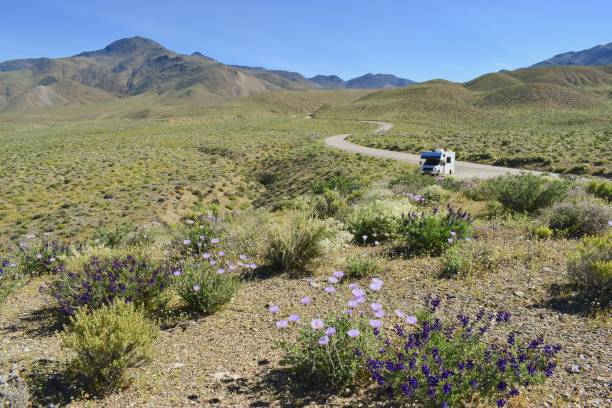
[136,66]
[139,66]
[598,55]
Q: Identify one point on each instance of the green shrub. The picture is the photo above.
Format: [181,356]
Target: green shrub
[575,219]
[101,281]
[334,364]
[412,181]
[295,245]
[432,234]
[123,234]
[329,204]
[376,221]
[360,266]
[344,185]
[522,193]
[601,189]
[470,257]
[590,268]
[455,262]
[203,288]
[108,341]
[434,194]
[10,277]
[543,232]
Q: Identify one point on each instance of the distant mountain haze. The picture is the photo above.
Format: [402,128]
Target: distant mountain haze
[137,65]
[367,81]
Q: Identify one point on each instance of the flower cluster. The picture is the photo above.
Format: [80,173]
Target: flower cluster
[442,364]
[37,257]
[423,357]
[415,197]
[432,233]
[209,279]
[200,235]
[103,280]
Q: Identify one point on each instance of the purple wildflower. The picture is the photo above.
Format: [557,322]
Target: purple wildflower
[377,324]
[317,324]
[330,331]
[376,284]
[353,333]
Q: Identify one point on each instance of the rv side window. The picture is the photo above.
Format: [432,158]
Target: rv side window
[448,159]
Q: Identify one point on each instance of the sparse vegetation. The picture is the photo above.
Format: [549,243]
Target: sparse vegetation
[601,189]
[372,222]
[107,342]
[361,266]
[577,218]
[431,234]
[524,193]
[335,363]
[296,244]
[205,288]
[590,268]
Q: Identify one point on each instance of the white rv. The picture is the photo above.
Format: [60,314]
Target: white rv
[438,162]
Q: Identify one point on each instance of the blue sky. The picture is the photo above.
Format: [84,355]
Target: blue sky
[420,40]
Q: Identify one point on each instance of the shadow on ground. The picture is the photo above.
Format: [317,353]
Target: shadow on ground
[278,387]
[50,384]
[565,298]
[38,323]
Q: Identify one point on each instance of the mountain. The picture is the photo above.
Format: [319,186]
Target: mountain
[367,81]
[598,55]
[328,81]
[378,81]
[139,66]
[284,79]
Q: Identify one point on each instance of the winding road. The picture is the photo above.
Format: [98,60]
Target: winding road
[462,169]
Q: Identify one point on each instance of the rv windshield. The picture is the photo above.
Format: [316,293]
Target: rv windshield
[432,161]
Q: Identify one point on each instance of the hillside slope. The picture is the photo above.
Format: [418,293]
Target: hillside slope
[524,90]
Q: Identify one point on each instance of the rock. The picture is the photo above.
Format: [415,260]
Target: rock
[225,376]
[518,293]
[572,368]
[546,269]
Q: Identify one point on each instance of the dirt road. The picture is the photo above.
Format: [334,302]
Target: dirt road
[462,169]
